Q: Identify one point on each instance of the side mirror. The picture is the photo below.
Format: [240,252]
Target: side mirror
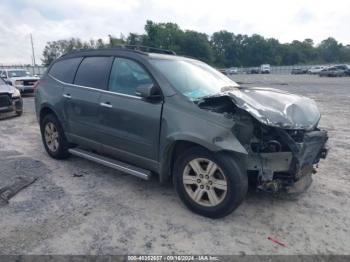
[148,91]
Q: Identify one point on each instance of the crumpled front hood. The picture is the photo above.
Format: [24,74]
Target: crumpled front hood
[278,108]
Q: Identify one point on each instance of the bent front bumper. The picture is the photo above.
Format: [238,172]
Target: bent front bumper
[310,151]
[8,104]
[288,170]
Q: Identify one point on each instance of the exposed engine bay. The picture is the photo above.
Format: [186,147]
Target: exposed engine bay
[278,130]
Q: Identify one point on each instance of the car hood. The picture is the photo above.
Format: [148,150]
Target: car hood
[6,89]
[275,107]
[25,78]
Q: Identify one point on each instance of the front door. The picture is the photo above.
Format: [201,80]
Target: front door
[129,125]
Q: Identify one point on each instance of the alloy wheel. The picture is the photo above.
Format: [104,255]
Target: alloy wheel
[205,182]
[51,136]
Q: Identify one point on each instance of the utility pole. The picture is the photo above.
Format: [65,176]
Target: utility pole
[33,54]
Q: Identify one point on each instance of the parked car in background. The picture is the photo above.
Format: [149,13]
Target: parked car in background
[314,70]
[299,71]
[10,99]
[254,70]
[265,69]
[232,71]
[347,70]
[222,71]
[335,71]
[147,113]
[19,78]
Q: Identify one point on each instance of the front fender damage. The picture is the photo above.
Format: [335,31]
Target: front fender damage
[278,130]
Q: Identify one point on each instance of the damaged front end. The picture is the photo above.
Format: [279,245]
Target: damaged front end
[278,130]
[285,158]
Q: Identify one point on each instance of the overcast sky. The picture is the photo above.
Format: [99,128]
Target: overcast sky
[285,20]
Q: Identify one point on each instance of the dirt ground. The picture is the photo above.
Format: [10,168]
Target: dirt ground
[79,207]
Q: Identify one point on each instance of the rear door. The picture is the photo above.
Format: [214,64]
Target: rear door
[61,74]
[82,99]
[129,125]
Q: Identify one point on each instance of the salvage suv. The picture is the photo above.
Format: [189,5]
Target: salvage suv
[146,112]
[10,99]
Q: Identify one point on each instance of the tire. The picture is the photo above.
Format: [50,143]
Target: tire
[19,113]
[228,172]
[58,149]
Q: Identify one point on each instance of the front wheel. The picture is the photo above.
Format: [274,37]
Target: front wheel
[209,184]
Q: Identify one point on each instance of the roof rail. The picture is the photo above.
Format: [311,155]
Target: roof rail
[146,49]
[133,48]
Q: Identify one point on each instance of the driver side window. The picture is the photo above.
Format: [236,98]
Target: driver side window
[126,76]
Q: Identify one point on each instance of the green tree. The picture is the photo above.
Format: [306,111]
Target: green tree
[55,49]
[222,44]
[330,50]
[196,45]
[163,35]
[221,49]
[113,41]
[135,39]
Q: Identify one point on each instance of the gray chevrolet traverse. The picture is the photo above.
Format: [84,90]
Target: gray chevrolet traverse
[146,111]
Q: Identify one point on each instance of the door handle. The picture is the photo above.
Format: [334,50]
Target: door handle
[67,96]
[107,104]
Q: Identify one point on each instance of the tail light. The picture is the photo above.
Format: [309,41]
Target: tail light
[35,86]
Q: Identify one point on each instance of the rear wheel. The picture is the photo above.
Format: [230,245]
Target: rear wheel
[53,137]
[212,185]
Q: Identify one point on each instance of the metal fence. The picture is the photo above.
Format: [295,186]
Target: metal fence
[40,70]
[281,69]
[35,70]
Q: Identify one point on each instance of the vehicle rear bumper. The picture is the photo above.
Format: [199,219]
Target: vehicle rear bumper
[26,89]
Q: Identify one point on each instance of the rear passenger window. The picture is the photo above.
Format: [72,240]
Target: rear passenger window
[64,70]
[93,72]
[126,75]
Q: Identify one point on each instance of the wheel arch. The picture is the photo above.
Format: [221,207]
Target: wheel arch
[47,109]
[173,149]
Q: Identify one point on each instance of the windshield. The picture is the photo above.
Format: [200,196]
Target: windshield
[193,79]
[18,73]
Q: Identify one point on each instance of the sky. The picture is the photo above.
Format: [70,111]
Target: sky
[46,20]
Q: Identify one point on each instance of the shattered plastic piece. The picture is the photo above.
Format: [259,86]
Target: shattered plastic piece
[77,175]
[276,241]
[7,192]
[301,185]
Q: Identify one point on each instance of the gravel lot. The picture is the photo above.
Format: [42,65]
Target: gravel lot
[79,207]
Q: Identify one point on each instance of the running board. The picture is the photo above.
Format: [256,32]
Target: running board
[115,164]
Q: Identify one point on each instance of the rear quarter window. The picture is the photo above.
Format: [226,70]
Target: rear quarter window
[64,70]
[94,72]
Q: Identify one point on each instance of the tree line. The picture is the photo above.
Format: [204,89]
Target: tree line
[221,49]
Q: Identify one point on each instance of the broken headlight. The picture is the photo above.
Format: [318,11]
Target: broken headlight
[16,94]
[267,140]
